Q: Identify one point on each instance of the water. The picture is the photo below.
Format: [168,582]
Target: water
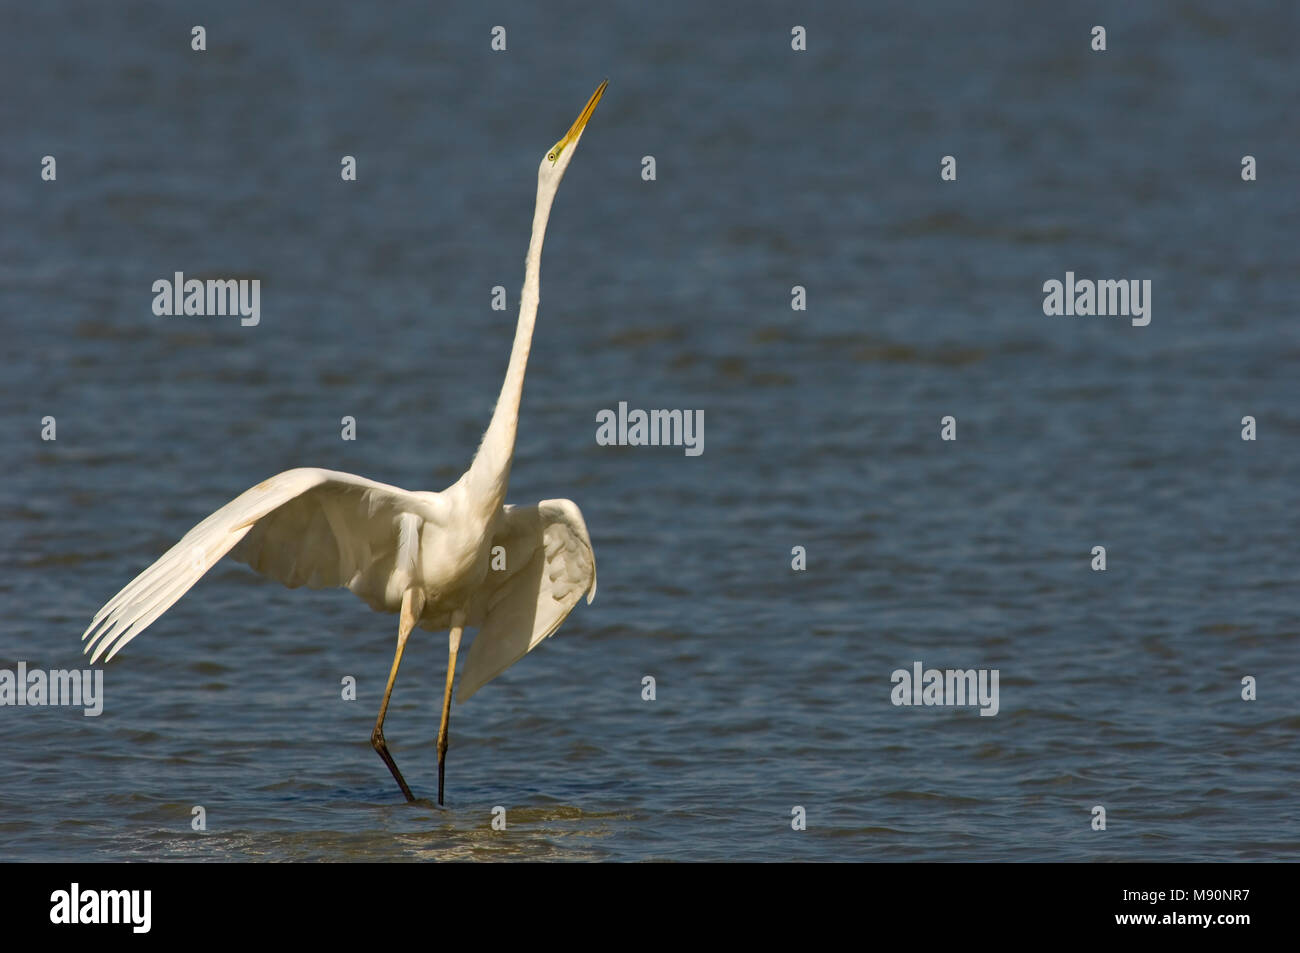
[820,169]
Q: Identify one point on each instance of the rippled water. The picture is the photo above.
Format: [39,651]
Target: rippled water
[774,168]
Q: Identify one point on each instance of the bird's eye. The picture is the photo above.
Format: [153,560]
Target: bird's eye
[551,157]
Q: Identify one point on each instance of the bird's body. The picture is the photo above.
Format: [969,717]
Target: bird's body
[450,560]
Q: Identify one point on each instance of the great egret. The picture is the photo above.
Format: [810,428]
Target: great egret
[431,557]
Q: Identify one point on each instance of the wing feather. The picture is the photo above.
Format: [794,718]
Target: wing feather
[549,566]
[305,526]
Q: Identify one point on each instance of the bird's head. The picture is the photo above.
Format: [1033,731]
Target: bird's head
[559,156]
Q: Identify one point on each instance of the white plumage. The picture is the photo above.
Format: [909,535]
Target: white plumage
[448,560]
[324,529]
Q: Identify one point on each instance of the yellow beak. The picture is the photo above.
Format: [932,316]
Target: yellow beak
[578,124]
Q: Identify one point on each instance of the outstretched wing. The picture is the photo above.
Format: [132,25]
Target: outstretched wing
[549,565]
[307,526]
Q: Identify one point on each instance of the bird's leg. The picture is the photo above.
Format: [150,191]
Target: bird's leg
[412,606]
[453,646]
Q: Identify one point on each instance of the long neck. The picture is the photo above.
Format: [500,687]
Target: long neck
[489,474]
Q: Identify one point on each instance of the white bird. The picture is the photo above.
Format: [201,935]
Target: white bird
[431,557]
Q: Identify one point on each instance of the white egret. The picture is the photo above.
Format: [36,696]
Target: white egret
[426,556]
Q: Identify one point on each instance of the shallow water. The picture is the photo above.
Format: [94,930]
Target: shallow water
[819,169]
